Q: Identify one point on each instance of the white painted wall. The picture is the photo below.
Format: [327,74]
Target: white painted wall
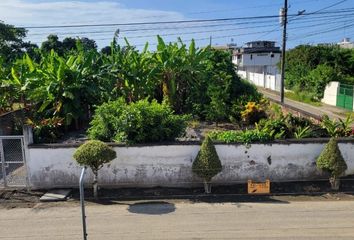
[242,74]
[263,80]
[259,59]
[330,93]
[172,165]
[257,79]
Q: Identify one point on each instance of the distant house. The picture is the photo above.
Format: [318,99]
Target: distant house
[346,43]
[258,62]
[228,47]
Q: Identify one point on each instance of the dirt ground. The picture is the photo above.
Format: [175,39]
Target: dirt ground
[290,191]
[195,131]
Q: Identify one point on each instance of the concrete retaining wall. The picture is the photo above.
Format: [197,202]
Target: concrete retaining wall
[171,165]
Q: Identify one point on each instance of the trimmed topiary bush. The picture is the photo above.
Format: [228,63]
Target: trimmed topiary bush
[207,163]
[94,154]
[331,161]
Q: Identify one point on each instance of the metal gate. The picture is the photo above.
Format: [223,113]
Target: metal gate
[13,171]
[345,96]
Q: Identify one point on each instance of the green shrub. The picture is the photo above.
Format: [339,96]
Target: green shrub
[276,128]
[290,126]
[303,132]
[253,113]
[94,154]
[248,92]
[245,137]
[331,161]
[217,108]
[47,130]
[207,163]
[138,122]
[338,128]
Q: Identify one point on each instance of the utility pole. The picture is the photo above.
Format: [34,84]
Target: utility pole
[284,22]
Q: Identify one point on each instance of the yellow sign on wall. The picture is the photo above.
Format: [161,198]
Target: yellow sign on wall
[258,188]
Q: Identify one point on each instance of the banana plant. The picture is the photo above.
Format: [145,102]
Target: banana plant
[130,73]
[181,70]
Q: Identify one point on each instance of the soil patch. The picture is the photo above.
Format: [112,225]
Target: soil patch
[19,198]
[280,193]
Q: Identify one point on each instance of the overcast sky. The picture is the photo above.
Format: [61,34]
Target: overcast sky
[28,13]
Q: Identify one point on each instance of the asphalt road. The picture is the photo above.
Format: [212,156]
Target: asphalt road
[183,220]
[331,111]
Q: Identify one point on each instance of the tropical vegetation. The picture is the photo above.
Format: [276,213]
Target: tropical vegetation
[310,68]
[277,125]
[128,95]
[61,84]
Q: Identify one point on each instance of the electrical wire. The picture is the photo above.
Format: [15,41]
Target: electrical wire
[317,18]
[172,22]
[311,34]
[298,16]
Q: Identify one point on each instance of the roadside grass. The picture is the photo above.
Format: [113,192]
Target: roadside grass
[303,97]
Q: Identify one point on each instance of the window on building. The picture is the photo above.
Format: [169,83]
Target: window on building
[251,57]
[272,55]
[238,56]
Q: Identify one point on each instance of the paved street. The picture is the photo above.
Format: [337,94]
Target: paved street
[183,220]
[318,112]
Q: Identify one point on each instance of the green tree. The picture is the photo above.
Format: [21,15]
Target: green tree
[207,163]
[94,154]
[88,44]
[319,78]
[106,50]
[52,43]
[69,44]
[12,45]
[310,68]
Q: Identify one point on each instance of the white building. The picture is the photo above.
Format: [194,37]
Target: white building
[346,43]
[258,62]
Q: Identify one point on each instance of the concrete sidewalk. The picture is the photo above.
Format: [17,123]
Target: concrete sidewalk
[313,111]
[181,220]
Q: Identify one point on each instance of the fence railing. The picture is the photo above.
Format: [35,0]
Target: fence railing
[13,170]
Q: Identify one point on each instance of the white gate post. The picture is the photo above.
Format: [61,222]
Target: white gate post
[2,158]
[27,140]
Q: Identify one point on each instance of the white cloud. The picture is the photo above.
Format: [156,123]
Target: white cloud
[20,12]
[25,13]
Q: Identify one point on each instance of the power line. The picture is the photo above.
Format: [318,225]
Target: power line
[229,29]
[297,16]
[322,19]
[319,10]
[151,23]
[310,34]
[167,22]
[330,6]
[231,10]
[220,30]
[168,28]
[313,19]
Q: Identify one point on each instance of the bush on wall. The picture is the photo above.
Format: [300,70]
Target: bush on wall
[138,122]
[207,163]
[94,154]
[332,161]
